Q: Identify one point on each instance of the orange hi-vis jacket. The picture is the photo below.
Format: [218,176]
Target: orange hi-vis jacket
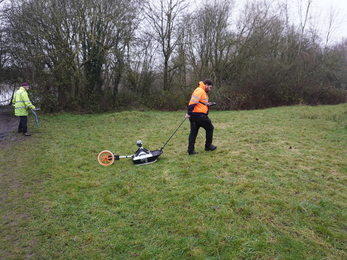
[198,103]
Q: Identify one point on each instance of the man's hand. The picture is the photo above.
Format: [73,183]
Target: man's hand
[187,116]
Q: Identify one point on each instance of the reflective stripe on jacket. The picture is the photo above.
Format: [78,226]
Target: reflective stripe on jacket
[199,100]
[21,102]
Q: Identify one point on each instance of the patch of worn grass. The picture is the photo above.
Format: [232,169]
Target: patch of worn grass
[275,188]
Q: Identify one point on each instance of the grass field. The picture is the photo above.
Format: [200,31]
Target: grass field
[275,188]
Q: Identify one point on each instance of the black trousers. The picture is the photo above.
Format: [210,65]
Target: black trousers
[197,121]
[23,124]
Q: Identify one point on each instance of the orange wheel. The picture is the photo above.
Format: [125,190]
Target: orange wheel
[106,158]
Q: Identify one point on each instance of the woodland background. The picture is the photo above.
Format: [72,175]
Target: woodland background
[104,55]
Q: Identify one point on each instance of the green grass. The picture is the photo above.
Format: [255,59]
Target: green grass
[275,188]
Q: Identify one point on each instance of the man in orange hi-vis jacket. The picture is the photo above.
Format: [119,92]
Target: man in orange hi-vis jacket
[198,116]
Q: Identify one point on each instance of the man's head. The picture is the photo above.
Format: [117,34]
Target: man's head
[208,84]
[25,85]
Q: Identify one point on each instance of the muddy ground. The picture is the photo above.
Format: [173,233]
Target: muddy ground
[8,126]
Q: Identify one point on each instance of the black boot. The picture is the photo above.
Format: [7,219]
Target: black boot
[211,147]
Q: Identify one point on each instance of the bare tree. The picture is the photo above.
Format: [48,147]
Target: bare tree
[82,54]
[139,73]
[164,17]
[67,43]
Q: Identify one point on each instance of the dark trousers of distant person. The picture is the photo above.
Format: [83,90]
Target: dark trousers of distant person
[197,121]
[23,121]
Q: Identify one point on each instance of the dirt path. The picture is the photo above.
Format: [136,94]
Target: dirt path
[8,126]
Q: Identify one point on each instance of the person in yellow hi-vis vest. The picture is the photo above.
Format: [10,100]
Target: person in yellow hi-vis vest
[198,108]
[22,104]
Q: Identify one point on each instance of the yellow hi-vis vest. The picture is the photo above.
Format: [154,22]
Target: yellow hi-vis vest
[21,102]
[199,99]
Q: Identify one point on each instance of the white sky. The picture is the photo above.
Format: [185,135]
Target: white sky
[339,10]
[320,11]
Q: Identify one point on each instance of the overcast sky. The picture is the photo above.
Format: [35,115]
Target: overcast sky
[339,8]
[320,11]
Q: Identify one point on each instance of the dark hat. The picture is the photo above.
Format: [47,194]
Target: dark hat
[208,82]
[25,84]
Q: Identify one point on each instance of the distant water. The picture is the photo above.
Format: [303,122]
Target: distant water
[5,95]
